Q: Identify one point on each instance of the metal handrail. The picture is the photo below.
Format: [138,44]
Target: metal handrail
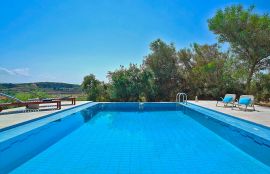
[178,97]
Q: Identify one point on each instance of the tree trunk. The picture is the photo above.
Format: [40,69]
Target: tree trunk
[250,74]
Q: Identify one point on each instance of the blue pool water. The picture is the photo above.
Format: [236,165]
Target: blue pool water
[132,141]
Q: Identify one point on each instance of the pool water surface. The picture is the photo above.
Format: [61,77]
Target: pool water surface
[142,142]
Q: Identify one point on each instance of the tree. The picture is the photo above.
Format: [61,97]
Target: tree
[148,84]
[131,84]
[261,86]
[95,90]
[163,63]
[206,70]
[248,35]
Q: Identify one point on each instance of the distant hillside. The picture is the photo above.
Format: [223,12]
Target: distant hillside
[49,87]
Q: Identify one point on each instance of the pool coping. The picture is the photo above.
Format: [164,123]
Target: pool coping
[248,121]
[259,133]
[20,128]
[42,117]
[16,130]
[241,119]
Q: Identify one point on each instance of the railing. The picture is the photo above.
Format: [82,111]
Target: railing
[180,96]
[10,97]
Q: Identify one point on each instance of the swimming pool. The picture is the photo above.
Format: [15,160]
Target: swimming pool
[136,138]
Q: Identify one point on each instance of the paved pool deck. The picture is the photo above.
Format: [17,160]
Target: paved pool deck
[18,115]
[260,116]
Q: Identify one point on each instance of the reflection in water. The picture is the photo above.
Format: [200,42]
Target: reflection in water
[88,113]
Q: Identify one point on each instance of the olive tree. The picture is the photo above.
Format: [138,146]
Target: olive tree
[248,34]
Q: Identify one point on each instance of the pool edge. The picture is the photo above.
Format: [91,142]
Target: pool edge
[42,117]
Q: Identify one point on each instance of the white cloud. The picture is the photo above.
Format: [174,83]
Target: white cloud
[15,72]
[21,71]
[5,71]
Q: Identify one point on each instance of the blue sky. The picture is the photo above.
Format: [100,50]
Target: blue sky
[64,40]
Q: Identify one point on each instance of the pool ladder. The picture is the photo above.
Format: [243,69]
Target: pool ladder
[180,96]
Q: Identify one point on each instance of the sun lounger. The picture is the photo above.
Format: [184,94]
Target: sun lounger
[228,99]
[247,101]
[28,104]
[72,99]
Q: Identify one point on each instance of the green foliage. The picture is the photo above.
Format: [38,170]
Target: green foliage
[40,90]
[95,90]
[39,94]
[206,70]
[164,64]
[131,84]
[247,33]
[261,87]
[24,96]
[201,70]
[57,86]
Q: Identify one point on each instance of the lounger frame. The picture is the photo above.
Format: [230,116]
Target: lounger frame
[246,106]
[226,104]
